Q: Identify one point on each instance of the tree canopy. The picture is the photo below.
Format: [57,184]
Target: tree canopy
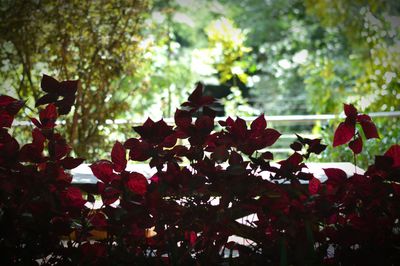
[140,58]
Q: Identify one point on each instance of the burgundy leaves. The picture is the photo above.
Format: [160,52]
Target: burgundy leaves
[249,140]
[136,183]
[9,107]
[55,89]
[34,182]
[155,132]
[197,100]
[72,197]
[103,170]
[346,131]
[47,117]
[174,212]
[118,157]
[310,146]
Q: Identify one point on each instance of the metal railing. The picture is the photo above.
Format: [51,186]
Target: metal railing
[284,120]
[300,119]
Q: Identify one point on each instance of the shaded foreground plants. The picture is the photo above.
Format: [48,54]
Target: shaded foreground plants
[207,177]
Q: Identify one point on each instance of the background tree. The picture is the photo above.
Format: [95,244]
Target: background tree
[96,42]
[272,57]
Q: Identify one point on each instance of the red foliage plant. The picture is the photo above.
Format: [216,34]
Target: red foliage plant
[208,202]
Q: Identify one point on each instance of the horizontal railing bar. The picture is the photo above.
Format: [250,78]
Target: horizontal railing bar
[274,119]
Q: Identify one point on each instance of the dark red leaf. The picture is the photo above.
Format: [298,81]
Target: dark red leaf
[394,153]
[180,150]
[335,175]
[238,128]
[294,159]
[64,177]
[183,119]
[36,122]
[8,146]
[5,119]
[235,158]
[204,124]
[71,163]
[229,121]
[154,132]
[49,84]
[61,148]
[259,124]
[139,150]
[305,176]
[196,98]
[196,95]
[72,197]
[170,141]
[145,129]
[382,162]
[6,100]
[68,87]
[100,187]
[267,155]
[343,134]
[313,186]
[315,146]
[191,237]
[350,110]
[206,100]
[154,179]
[270,136]
[110,195]
[30,153]
[103,170]
[296,146]
[65,89]
[368,127]
[47,98]
[136,183]
[10,105]
[48,116]
[220,154]
[118,157]
[356,145]
[363,117]
[38,139]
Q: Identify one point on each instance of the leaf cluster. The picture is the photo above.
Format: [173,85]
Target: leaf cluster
[217,199]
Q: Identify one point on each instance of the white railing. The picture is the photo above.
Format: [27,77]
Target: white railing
[300,119]
[292,120]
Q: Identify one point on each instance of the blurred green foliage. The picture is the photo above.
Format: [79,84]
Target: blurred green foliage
[141,58]
[359,65]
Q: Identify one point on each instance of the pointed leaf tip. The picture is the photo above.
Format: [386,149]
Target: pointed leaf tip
[259,124]
[196,95]
[350,110]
